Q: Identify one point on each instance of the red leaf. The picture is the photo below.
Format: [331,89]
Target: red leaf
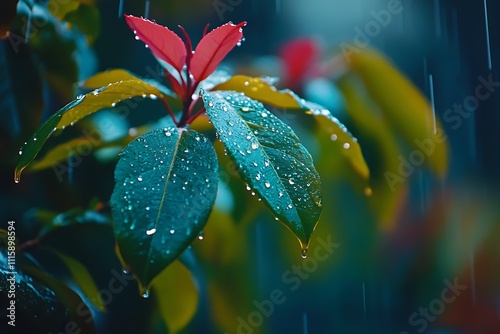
[163,42]
[213,47]
[298,57]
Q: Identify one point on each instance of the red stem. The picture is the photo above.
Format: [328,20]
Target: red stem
[165,102]
[192,118]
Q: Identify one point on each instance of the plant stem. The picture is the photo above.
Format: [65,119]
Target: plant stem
[192,118]
[28,244]
[165,102]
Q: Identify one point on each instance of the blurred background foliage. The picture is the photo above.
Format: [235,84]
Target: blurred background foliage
[397,242]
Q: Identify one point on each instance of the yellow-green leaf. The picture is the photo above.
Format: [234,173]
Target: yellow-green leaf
[176,295]
[83,279]
[403,105]
[84,105]
[104,78]
[260,90]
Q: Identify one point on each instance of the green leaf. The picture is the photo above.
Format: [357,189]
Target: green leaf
[165,186]
[83,279]
[270,158]
[85,105]
[260,89]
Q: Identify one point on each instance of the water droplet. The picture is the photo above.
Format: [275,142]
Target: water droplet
[168,134]
[201,236]
[255,146]
[153,96]
[151,231]
[145,294]
[172,231]
[304,253]
[245,109]
[125,271]
[267,184]
[210,104]
[257,177]
[147,208]
[346,145]
[139,179]
[333,137]
[291,181]
[146,46]
[20,152]
[136,38]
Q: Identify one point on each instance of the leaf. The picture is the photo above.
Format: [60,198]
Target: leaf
[177,296]
[403,105]
[85,105]
[298,57]
[40,305]
[213,47]
[387,199]
[61,152]
[72,217]
[163,42]
[75,307]
[258,89]
[110,76]
[87,19]
[165,186]
[270,158]
[83,279]
[115,75]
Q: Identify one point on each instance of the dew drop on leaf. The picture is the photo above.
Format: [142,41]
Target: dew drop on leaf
[303,254]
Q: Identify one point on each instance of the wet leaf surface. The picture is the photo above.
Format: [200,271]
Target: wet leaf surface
[166,183]
[270,158]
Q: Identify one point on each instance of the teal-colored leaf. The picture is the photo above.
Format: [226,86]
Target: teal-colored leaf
[85,105]
[270,158]
[165,186]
